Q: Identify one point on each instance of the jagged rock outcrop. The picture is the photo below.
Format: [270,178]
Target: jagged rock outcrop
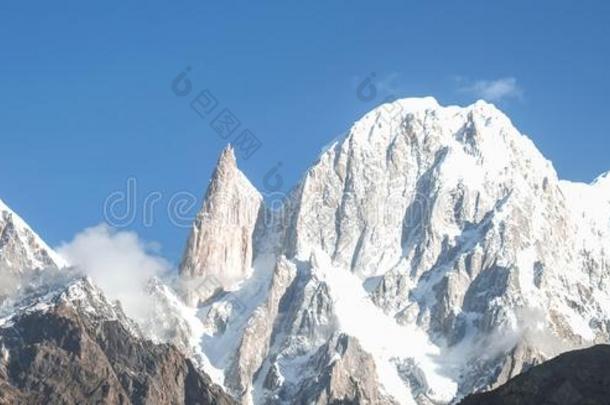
[219,251]
[74,346]
[256,337]
[575,378]
[347,376]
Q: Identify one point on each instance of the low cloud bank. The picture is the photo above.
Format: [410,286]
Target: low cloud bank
[119,262]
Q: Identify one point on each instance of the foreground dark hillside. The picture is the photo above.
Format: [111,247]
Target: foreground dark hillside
[580,377]
[75,353]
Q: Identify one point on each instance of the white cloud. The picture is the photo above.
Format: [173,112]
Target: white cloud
[119,263]
[494,90]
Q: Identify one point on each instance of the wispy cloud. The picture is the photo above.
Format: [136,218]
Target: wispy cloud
[118,262]
[492,90]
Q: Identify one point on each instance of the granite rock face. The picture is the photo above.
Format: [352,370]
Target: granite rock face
[219,251]
[256,336]
[348,375]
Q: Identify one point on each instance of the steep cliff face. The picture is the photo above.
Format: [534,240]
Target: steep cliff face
[437,237]
[73,346]
[220,248]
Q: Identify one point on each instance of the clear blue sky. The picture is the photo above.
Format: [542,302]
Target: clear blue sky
[86,98]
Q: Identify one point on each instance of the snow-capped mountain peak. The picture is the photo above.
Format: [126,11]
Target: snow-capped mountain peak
[21,249]
[429,253]
[449,222]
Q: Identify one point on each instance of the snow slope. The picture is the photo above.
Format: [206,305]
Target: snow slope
[20,247]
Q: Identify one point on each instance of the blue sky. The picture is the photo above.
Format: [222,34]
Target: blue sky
[87,100]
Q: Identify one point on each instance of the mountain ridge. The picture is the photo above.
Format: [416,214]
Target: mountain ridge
[426,206]
[430,253]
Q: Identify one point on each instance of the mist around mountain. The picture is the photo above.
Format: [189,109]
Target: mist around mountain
[429,254]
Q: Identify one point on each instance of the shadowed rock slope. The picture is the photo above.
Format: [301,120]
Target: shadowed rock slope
[579,377]
[79,348]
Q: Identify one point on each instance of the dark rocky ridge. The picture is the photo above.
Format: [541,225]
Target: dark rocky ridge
[65,354]
[580,377]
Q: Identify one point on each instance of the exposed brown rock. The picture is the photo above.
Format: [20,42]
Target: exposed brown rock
[61,355]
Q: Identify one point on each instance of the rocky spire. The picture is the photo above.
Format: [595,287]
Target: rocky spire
[220,249]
